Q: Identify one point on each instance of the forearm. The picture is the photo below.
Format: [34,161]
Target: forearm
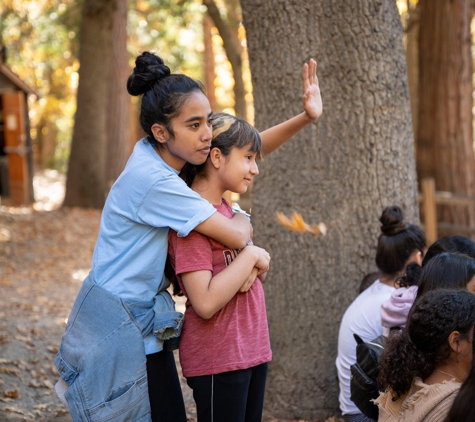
[275,136]
[215,293]
[233,233]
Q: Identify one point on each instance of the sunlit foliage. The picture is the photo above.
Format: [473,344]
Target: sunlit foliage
[41,40]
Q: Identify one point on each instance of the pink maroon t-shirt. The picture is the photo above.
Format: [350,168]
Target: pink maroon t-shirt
[235,337]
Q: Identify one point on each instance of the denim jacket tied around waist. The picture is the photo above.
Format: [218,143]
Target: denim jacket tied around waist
[102,355]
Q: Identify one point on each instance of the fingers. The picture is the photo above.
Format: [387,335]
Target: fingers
[309,76]
[313,72]
[249,282]
[305,79]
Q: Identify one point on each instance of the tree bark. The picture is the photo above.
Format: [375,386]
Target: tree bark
[343,170]
[208,59]
[85,185]
[445,135]
[118,111]
[411,39]
[234,58]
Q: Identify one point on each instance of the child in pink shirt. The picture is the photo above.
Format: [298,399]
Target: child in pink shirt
[225,348]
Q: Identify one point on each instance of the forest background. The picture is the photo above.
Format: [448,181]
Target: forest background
[397,85]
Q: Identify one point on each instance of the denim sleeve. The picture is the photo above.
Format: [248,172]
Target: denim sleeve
[171,203]
[167,322]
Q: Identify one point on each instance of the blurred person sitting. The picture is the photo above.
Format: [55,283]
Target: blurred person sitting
[399,244]
[394,311]
[423,366]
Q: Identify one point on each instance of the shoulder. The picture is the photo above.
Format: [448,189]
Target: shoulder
[224,208]
[433,400]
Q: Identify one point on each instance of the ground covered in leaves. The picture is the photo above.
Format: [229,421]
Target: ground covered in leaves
[45,253]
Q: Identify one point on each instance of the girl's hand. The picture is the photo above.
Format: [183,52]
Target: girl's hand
[312,100]
[262,259]
[250,281]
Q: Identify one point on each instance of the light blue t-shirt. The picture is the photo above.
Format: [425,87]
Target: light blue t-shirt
[146,200]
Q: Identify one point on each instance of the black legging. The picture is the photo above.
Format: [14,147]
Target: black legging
[164,390]
[236,396]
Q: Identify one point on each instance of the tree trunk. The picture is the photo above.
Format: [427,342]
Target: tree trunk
[118,111]
[412,56]
[46,144]
[445,135]
[208,59]
[343,171]
[234,58]
[85,185]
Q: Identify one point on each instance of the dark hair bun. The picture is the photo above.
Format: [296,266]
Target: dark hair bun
[392,220]
[148,70]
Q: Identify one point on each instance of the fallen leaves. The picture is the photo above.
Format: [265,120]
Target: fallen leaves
[11,371]
[38,258]
[11,394]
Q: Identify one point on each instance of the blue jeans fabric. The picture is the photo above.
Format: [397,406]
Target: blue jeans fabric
[102,358]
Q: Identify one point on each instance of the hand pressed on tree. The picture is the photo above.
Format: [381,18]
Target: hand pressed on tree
[312,100]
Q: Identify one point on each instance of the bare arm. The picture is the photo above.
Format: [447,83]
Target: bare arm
[209,294]
[275,136]
[234,232]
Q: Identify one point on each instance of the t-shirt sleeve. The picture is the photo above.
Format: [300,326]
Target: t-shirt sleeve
[171,203]
[191,253]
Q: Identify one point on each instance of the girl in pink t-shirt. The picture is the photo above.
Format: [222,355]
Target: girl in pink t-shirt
[224,346]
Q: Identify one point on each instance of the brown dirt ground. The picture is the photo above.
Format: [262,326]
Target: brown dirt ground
[45,252]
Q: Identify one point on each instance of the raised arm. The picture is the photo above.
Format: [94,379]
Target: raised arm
[233,233]
[209,294]
[275,136]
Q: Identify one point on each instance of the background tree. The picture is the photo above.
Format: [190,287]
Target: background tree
[343,171]
[228,30]
[444,142]
[41,48]
[118,109]
[209,63]
[410,20]
[85,185]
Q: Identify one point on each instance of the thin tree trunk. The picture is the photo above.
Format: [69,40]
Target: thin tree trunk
[118,112]
[208,58]
[343,171]
[85,185]
[234,58]
[445,135]
[412,56]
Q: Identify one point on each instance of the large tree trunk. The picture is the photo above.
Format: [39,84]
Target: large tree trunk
[445,135]
[85,185]
[343,170]
[118,112]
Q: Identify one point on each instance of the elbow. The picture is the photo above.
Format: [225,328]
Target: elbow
[204,312]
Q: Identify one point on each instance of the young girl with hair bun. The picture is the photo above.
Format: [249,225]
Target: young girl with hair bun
[114,359]
[399,244]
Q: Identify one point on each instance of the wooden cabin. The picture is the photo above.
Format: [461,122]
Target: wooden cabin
[16,156]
